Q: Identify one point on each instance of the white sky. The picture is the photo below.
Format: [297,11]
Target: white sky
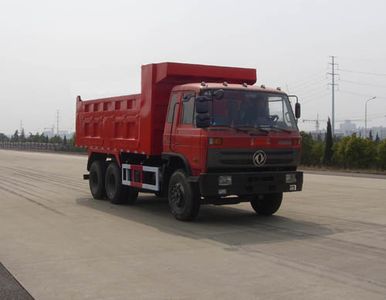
[51,51]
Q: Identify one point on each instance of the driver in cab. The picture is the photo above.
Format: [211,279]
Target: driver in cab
[254,111]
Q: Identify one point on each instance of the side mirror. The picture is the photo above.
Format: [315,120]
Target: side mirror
[218,94]
[202,105]
[297,106]
[203,120]
[297,110]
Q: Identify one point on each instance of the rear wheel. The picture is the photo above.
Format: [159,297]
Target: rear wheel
[267,204]
[97,179]
[115,191]
[183,197]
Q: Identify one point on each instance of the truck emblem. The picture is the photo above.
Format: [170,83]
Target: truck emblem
[259,158]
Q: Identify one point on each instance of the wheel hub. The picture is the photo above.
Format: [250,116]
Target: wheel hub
[177,195]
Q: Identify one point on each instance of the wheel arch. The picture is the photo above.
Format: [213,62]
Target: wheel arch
[94,156]
[177,161]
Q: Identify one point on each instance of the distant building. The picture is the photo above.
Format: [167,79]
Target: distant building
[65,133]
[62,133]
[347,128]
[380,130]
[49,132]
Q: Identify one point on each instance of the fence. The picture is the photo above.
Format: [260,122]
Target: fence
[39,147]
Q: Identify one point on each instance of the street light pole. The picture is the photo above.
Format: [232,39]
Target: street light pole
[366,114]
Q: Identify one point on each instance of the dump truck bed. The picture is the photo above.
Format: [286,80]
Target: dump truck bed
[135,123]
[108,123]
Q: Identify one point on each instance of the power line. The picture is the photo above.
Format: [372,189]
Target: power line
[361,95]
[353,93]
[315,97]
[361,72]
[381,117]
[309,78]
[312,92]
[306,83]
[309,89]
[316,89]
[363,83]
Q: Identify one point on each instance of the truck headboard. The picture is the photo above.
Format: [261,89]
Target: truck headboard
[179,73]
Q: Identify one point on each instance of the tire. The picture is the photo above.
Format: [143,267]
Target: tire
[267,204]
[115,191]
[96,179]
[183,197]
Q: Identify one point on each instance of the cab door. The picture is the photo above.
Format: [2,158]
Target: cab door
[171,122]
[187,139]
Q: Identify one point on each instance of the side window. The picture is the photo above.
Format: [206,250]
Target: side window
[278,107]
[172,103]
[188,108]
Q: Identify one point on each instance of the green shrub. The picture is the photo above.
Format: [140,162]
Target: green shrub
[317,152]
[348,152]
[360,153]
[382,155]
[340,147]
[307,143]
[312,150]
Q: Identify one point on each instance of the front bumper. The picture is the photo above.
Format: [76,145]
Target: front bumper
[251,183]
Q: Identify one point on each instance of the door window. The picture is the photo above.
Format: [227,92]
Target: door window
[172,105]
[188,108]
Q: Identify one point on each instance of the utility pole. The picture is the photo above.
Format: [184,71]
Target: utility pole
[372,98]
[333,84]
[57,122]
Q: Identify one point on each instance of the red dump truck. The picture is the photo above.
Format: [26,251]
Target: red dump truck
[197,135]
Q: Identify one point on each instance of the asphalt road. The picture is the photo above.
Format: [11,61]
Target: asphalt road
[327,242]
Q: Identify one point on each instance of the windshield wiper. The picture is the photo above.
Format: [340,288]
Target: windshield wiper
[247,128]
[228,126]
[244,129]
[280,129]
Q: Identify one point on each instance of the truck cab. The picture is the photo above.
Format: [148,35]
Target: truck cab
[239,140]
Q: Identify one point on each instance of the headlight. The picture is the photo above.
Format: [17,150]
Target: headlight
[224,180]
[290,178]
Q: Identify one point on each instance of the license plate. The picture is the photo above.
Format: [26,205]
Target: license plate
[292,187]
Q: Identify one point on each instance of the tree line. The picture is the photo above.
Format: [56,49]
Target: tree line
[351,152]
[40,138]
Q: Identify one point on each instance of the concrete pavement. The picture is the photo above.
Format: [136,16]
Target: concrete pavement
[327,242]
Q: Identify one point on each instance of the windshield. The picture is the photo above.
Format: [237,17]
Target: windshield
[239,108]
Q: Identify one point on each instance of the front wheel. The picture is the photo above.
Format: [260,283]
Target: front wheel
[267,204]
[183,197]
[115,191]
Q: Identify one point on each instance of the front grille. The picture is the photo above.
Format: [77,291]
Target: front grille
[236,158]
